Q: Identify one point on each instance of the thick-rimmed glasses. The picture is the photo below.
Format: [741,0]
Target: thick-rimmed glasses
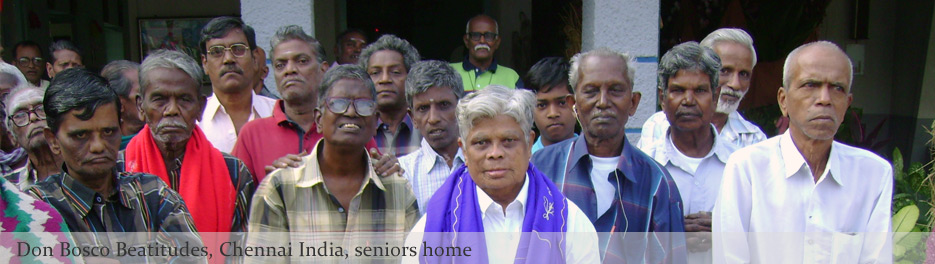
[363,106]
[25,61]
[475,36]
[239,50]
[21,118]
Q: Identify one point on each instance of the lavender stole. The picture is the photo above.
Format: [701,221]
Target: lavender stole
[454,218]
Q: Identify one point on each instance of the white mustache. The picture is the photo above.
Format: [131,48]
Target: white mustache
[732,92]
[481,46]
[172,123]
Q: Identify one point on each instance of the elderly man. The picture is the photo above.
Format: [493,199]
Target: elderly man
[123,76]
[28,122]
[229,52]
[433,89]
[350,43]
[65,55]
[691,151]
[498,191]
[92,194]
[620,188]
[278,141]
[735,48]
[805,182]
[479,68]
[555,101]
[388,61]
[216,186]
[336,189]
[12,156]
[27,56]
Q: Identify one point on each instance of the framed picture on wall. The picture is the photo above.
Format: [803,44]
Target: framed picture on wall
[180,34]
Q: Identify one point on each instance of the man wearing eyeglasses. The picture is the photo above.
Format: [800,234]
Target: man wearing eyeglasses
[336,189]
[479,68]
[229,55]
[28,59]
[26,122]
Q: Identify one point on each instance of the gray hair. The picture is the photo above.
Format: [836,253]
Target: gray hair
[62,45]
[735,35]
[24,93]
[822,43]
[14,74]
[394,43]
[574,74]
[689,56]
[344,72]
[496,100]
[113,72]
[467,27]
[295,32]
[169,59]
[432,73]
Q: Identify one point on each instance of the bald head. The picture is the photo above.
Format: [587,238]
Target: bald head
[482,19]
[819,50]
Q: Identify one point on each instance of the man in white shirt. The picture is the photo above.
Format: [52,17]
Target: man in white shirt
[433,89]
[229,54]
[691,150]
[509,194]
[831,201]
[735,48]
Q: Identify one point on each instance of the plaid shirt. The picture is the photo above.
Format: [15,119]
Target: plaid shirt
[138,203]
[646,200]
[240,177]
[23,178]
[427,171]
[405,141]
[296,200]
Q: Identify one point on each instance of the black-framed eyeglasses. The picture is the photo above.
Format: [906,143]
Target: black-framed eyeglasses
[475,36]
[239,50]
[25,61]
[363,106]
[21,118]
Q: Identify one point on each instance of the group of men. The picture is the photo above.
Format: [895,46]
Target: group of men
[393,143]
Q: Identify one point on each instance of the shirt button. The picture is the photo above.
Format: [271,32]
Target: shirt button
[98,199]
[810,242]
[340,209]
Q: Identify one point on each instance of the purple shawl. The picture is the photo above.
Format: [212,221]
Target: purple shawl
[454,218]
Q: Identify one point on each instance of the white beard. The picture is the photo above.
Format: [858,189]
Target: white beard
[725,107]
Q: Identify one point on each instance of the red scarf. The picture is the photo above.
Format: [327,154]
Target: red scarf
[204,182]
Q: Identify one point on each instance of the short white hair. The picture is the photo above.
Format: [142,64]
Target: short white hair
[735,35]
[496,25]
[786,77]
[573,73]
[496,100]
[9,69]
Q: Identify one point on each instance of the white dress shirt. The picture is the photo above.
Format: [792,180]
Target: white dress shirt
[580,246]
[426,170]
[769,187]
[699,182]
[737,130]
[218,126]
[600,178]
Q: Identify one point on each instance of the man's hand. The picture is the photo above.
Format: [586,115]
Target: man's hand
[700,223]
[288,161]
[385,165]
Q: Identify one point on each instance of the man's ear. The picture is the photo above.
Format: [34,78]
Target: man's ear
[202,102]
[48,70]
[53,142]
[466,42]
[635,102]
[139,107]
[460,144]
[781,98]
[317,114]
[204,62]
[325,66]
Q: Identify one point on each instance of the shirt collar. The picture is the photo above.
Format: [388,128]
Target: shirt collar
[486,203]
[468,66]
[794,161]
[86,195]
[310,174]
[721,149]
[430,157]
[738,124]
[407,124]
[580,153]
[213,106]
